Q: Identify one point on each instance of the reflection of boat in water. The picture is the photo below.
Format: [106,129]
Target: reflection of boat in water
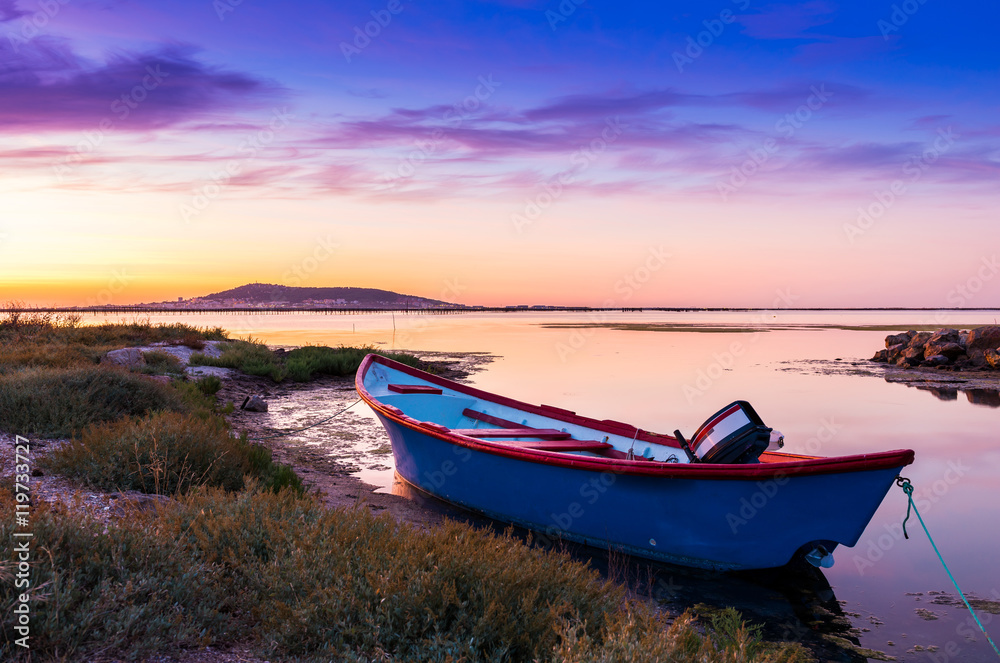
[721,502]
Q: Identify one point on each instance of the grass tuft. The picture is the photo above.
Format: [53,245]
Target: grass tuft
[57,402]
[302,364]
[165,453]
[248,355]
[307,362]
[160,363]
[168,454]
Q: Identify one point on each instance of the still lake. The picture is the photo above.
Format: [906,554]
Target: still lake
[797,369]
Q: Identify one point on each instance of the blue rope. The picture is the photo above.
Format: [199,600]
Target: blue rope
[907,487]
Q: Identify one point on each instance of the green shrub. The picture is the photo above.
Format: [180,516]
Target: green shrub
[61,341]
[250,356]
[209,385]
[57,402]
[165,453]
[118,588]
[159,362]
[306,362]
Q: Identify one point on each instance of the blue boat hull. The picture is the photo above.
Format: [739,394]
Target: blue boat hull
[723,523]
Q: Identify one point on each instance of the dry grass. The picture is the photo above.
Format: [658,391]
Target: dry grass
[305,583]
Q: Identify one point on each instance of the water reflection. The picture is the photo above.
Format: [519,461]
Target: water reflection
[984,397]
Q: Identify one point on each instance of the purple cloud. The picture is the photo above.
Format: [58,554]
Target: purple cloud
[9,11]
[47,88]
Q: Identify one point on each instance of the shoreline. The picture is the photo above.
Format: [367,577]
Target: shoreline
[330,468]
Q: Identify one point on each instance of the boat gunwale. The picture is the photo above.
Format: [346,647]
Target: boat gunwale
[806,466]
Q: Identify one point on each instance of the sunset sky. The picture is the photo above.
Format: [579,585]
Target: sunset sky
[577,152]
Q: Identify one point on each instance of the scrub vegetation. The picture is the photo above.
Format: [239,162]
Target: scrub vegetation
[298,581]
[301,365]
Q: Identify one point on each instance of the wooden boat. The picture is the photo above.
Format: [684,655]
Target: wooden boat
[720,502]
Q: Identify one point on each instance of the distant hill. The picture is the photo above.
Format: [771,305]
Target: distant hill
[268,293]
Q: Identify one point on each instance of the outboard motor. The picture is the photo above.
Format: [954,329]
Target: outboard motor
[734,434]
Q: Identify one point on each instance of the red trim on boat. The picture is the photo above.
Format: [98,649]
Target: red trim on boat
[540,433]
[795,465]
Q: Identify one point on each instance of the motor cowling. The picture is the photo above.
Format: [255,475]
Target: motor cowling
[734,434]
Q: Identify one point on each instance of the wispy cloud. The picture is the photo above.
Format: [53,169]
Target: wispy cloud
[47,87]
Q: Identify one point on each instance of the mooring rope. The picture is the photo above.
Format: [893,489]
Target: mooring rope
[299,430]
[907,487]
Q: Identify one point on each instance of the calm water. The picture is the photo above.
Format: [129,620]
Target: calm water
[666,380]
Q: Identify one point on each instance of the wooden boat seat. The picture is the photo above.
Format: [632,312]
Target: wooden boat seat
[556,445]
[414,389]
[541,433]
[490,419]
[507,428]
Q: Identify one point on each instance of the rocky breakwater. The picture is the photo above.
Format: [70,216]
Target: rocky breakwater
[948,349]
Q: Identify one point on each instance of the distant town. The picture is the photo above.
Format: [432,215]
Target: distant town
[267,296]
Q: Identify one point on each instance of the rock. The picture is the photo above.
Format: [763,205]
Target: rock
[163,379]
[980,340]
[124,357]
[942,336]
[254,403]
[949,349]
[911,357]
[936,360]
[896,339]
[881,356]
[893,353]
[919,339]
[992,357]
